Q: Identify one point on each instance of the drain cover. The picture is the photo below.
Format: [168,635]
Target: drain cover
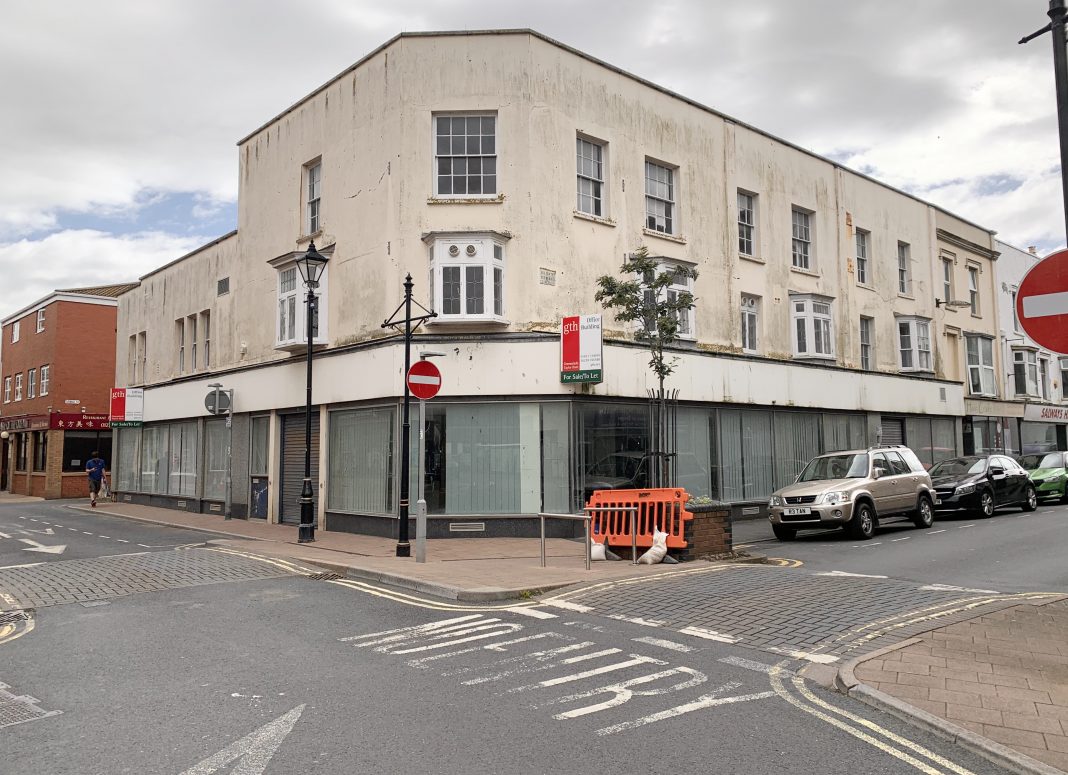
[18,710]
[13,617]
[325,576]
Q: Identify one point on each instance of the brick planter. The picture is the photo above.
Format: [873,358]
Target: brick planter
[709,532]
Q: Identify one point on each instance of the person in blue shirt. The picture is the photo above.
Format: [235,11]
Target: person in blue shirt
[95,469]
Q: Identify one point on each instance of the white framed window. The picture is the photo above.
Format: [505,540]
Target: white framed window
[914,344]
[179,338]
[750,323]
[192,326]
[659,198]
[40,320]
[465,155]
[1043,379]
[1062,366]
[973,288]
[867,343]
[468,277]
[46,372]
[980,351]
[18,387]
[1025,373]
[801,249]
[947,280]
[205,326]
[681,283]
[863,257]
[813,326]
[7,390]
[589,161]
[747,223]
[15,331]
[292,309]
[31,383]
[131,360]
[904,268]
[313,182]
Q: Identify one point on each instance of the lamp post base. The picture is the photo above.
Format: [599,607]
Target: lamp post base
[404,549]
[306,531]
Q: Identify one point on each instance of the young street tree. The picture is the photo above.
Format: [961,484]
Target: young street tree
[644,296]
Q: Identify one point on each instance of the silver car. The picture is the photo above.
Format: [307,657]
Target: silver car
[855,490]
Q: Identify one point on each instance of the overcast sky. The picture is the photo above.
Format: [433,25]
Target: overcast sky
[119,119]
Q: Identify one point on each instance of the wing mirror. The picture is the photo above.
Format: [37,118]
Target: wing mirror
[878,473]
[997,471]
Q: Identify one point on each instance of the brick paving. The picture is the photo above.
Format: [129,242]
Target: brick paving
[102,578]
[1003,675]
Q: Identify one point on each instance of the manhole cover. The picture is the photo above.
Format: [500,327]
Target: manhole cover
[14,617]
[325,576]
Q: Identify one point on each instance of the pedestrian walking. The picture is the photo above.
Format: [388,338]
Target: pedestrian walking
[95,468]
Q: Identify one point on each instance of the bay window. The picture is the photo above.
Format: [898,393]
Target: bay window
[813,326]
[468,276]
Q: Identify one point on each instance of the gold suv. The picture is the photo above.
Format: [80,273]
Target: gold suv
[855,490]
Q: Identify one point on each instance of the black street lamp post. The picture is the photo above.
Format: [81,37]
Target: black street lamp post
[311,266]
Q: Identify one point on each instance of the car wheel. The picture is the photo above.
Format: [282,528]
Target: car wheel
[1030,499]
[784,533]
[986,504]
[862,525]
[924,516]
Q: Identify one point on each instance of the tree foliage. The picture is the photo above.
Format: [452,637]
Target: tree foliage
[641,296]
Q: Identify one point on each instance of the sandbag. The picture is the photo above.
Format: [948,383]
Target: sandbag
[657,551]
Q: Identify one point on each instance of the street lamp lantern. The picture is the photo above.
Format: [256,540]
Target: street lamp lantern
[311,266]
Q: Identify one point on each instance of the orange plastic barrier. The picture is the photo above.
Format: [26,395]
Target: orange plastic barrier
[663,508]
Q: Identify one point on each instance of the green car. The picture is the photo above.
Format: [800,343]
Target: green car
[1049,473]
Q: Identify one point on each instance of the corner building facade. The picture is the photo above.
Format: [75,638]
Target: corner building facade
[506,172]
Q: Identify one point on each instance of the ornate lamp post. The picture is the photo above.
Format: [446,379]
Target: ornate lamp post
[311,266]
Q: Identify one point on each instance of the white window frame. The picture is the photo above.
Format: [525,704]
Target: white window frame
[205,325]
[915,346]
[812,322]
[7,390]
[142,352]
[590,166]
[31,383]
[1043,379]
[661,196]
[980,366]
[15,331]
[747,223]
[1027,361]
[487,157]
[191,325]
[904,268]
[681,283]
[313,188]
[18,386]
[867,343]
[1062,366]
[948,289]
[750,306]
[40,320]
[453,258]
[973,289]
[863,249]
[46,379]
[289,331]
[802,247]
[1015,316]
[179,333]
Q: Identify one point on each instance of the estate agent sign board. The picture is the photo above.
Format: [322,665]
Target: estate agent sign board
[581,349]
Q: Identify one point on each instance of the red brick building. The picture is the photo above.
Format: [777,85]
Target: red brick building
[57,368]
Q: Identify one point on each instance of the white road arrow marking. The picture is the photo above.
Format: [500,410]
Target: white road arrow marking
[47,531]
[254,750]
[36,547]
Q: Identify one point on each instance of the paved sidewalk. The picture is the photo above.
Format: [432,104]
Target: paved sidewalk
[469,569]
[997,683]
[9,497]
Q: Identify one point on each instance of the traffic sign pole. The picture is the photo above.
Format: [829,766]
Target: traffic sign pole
[420,505]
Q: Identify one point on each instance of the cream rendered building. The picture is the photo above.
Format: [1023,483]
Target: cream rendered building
[506,172]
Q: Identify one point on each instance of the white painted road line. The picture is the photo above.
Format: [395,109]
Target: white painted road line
[962,527]
[820,659]
[893,540]
[701,632]
[670,645]
[871,545]
[852,575]
[749,664]
[936,532]
[950,588]
[254,750]
[533,613]
[708,701]
[638,620]
[582,609]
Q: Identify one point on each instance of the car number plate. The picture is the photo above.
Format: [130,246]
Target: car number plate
[795,512]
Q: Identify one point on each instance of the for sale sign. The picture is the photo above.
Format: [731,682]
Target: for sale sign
[127,407]
[581,349]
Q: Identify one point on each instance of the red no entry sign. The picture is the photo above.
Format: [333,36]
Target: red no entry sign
[424,380]
[1042,302]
